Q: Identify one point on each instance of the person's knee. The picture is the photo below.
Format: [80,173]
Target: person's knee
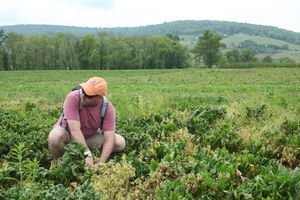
[120,143]
[56,141]
[56,137]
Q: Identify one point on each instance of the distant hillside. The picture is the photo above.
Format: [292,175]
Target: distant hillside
[185,29]
[241,37]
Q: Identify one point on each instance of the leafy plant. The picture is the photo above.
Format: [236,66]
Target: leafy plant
[203,119]
[70,167]
[291,127]
[257,113]
[25,169]
[113,180]
[224,136]
[174,190]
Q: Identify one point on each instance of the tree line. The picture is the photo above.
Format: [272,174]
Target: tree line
[100,51]
[103,51]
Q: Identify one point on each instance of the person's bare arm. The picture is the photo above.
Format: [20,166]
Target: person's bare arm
[108,145]
[74,127]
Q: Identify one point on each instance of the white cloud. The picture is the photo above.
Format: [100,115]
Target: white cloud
[107,4]
[113,13]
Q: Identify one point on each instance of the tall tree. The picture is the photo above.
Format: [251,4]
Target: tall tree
[233,56]
[267,59]
[248,55]
[41,52]
[104,42]
[3,55]
[2,36]
[66,57]
[88,52]
[208,48]
[13,49]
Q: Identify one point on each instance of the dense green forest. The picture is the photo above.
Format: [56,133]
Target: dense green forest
[168,45]
[102,51]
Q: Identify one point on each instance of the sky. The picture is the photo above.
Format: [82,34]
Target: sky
[132,13]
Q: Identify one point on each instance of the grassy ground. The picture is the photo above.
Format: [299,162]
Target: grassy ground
[191,134]
[137,92]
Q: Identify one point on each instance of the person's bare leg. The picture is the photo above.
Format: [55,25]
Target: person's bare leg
[98,139]
[56,141]
[97,142]
[120,143]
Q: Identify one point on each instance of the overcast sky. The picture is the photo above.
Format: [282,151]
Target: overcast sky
[129,13]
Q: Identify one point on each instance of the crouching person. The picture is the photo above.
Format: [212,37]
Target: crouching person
[88,118]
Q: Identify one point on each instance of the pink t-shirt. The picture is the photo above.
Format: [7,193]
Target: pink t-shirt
[88,116]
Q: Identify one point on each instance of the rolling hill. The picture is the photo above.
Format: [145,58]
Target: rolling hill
[180,28]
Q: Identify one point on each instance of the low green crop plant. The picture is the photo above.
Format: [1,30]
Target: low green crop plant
[290,127]
[70,167]
[223,136]
[284,149]
[273,183]
[257,113]
[203,119]
[173,190]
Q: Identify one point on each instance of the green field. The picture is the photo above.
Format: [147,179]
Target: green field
[160,88]
[191,134]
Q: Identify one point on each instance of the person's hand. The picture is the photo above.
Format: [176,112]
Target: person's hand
[98,164]
[89,162]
